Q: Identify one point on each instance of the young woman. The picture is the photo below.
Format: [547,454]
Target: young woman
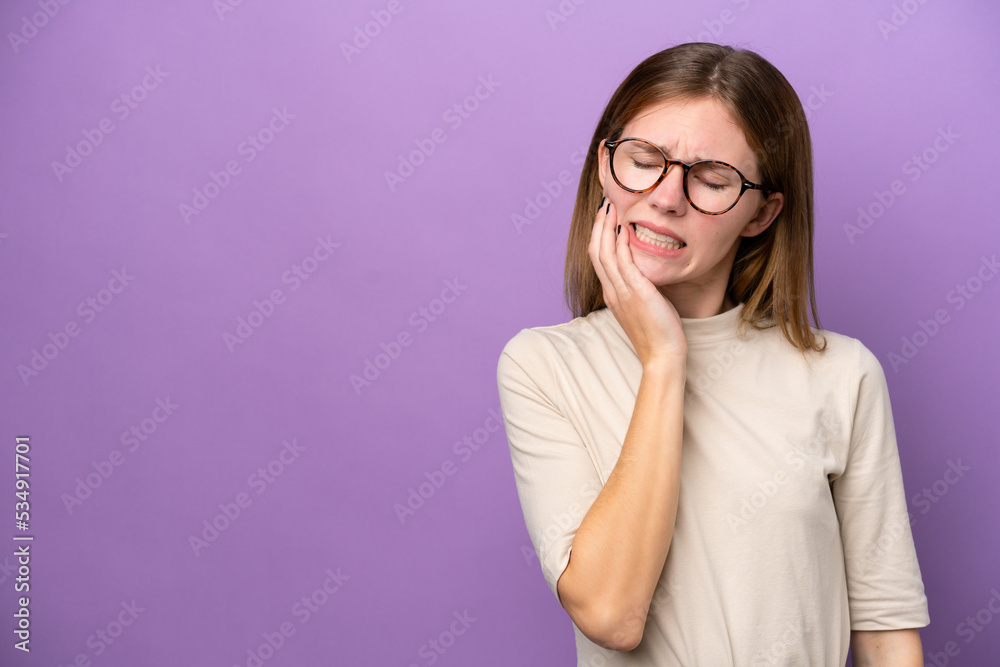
[705,481]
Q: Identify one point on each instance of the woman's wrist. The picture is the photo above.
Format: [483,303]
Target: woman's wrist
[667,364]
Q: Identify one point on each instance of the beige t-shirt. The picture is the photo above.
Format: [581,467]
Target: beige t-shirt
[792,526]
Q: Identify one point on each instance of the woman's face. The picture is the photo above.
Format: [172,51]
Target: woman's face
[689,130]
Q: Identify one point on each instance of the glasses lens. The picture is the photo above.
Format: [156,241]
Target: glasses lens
[637,164]
[712,187]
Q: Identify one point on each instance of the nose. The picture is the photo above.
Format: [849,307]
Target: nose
[668,195]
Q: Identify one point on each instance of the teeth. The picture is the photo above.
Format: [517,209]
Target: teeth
[659,240]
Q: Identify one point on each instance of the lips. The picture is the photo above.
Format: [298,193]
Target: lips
[663,231]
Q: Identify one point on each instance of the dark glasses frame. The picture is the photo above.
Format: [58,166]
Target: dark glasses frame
[667,162]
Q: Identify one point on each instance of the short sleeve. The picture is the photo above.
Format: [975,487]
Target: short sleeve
[554,473]
[884,587]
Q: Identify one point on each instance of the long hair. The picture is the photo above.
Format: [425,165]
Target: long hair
[772,273]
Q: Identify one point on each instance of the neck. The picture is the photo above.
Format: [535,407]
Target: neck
[696,306]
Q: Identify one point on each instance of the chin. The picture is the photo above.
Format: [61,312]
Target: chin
[655,271]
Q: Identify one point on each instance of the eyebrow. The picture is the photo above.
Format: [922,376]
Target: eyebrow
[696,158]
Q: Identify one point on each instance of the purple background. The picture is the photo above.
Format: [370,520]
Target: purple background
[878,98]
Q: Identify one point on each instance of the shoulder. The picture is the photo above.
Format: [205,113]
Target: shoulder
[850,351]
[581,334]
[849,357]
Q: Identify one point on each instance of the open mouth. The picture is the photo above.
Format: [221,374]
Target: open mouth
[658,240]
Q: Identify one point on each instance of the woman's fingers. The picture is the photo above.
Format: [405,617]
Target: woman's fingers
[597,241]
[649,320]
[623,258]
[630,274]
[612,256]
[608,250]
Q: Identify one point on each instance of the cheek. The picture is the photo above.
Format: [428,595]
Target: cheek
[623,201]
[621,205]
[724,230]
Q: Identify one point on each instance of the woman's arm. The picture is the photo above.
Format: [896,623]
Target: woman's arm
[621,545]
[886,648]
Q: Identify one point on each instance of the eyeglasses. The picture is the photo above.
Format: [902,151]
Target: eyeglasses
[711,187]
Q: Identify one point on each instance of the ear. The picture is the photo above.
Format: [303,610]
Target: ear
[766,214]
[602,161]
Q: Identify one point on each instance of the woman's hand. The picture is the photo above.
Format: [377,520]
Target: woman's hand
[648,318]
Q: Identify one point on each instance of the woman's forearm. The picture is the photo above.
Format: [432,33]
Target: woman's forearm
[886,648]
[621,545]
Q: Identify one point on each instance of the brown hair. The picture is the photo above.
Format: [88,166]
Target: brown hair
[773,271]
